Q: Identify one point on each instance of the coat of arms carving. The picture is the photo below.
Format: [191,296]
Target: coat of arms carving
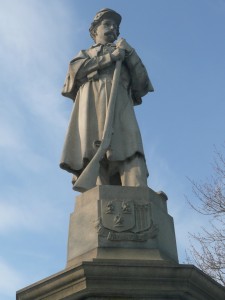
[118,215]
[126,220]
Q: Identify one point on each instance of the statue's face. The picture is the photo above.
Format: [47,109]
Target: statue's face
[106,32]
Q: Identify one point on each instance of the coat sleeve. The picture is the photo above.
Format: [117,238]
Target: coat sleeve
[71,85]
[94,64]
[140,82]
[81,69]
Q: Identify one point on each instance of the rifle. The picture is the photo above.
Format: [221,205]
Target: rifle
[88,177]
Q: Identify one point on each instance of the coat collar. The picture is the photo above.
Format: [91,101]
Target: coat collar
[100,45]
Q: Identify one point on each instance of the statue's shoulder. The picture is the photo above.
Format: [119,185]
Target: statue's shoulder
[94,50]
[88,53]
[81,55]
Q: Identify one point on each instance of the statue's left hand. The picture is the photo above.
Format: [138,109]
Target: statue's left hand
[122,44]
[118,54]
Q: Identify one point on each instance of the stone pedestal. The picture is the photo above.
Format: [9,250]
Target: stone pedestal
[113,222]
[122,246]
[126,280]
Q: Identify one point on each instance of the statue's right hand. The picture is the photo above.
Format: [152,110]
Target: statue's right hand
[118,54]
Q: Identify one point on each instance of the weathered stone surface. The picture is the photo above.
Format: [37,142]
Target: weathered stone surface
[121,238]
[122,223]
[116,279]
[105,82]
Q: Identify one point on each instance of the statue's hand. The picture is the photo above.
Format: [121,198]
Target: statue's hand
[122,44]
[118,54]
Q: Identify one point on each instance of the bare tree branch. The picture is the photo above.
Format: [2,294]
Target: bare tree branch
[207,247]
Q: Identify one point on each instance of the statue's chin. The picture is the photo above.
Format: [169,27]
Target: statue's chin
[110,39]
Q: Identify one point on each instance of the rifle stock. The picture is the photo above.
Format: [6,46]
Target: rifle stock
[88,177]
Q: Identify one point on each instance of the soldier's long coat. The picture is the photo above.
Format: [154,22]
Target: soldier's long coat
[88,83]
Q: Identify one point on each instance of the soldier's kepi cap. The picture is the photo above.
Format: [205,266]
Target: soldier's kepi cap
[105,13]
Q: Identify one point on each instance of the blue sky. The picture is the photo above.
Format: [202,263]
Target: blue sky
[182,44]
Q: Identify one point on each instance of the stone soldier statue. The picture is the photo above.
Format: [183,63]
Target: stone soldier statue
[88,83]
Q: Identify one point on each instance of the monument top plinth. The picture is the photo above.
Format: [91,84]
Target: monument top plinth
[113,222]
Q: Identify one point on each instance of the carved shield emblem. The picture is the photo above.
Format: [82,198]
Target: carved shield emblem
[118,215]
[142,217]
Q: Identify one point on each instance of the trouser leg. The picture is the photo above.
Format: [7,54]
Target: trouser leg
[103,177]
[109,173]
[133,172]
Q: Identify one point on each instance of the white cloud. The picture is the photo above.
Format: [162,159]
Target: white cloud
[31,114]
[33,48]
[10,280]
[17,156]
[34,215]
[31,30]
[34,41]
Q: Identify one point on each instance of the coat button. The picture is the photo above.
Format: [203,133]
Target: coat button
[97,143]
